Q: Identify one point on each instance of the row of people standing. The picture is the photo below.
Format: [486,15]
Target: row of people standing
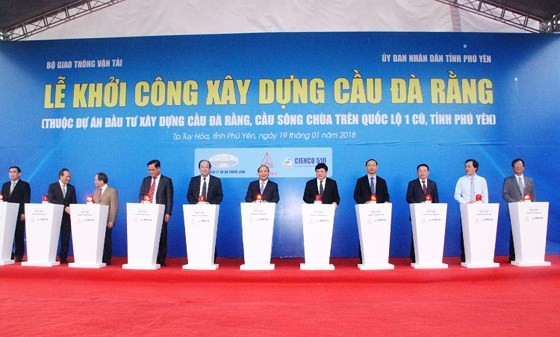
[207,188]
[470,188]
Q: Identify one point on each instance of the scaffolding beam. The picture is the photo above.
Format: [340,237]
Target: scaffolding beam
[54,18]
[502,14]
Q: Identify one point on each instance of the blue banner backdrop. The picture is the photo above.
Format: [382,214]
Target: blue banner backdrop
[289,100]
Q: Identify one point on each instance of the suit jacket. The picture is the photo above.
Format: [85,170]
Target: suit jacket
[415,192]
[20,195]
[330,193]
[56,197]
[362,192]
[111,198]
[214,194]
[269,194]
[164,193]
[511,192]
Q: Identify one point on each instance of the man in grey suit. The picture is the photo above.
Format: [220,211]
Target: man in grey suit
[106,195]
[514,190]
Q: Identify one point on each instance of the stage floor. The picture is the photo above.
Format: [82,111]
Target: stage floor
[63,301]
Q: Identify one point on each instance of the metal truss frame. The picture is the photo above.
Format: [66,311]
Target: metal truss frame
[506,15]
[54,18]
[553,25]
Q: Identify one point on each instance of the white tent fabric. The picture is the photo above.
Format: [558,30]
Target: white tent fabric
[185,17]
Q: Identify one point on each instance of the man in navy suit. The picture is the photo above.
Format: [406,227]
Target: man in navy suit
[514,189]
[207,186]
[158,189]
[417,191]
[371,184]
[322,186]
[62,193]
[268,190]
[18,192]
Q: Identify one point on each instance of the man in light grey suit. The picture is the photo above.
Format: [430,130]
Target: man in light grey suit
[106,195]
[514,190]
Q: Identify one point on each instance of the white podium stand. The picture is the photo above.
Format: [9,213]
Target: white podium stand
[318,222]
[428,231]
[479,222]
[42,229]
[529,221]
[257,220]
[201,227]
[89,223]
[143,230]
[374,227]
[8,221]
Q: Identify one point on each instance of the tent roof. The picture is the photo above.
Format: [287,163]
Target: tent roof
[14,12]
[543,10]
[17,12]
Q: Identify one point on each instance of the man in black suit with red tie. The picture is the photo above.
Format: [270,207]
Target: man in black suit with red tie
[417,191]
[205,185]
[371,184]
[19,192]
[62,193]
[158,189]
[322,186]
[268,190]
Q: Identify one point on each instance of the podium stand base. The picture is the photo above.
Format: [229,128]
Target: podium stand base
[379,266]
[307,266]
[480,265]
[531,264]
[258,267]
[201,266]
[429,265]
[40,264]
[86,265]
[6,262]
[141,266]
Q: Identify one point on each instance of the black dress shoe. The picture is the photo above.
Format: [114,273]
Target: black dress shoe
[63,261]
[19,259]
[162,263]
[107,262]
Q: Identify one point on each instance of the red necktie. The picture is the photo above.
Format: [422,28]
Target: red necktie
[424,187]
[152,190]
[100,194]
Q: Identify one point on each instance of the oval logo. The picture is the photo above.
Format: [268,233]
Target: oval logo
[223,160]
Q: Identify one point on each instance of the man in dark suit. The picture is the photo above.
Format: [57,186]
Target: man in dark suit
[106,195]
[268,190]
[417,191]
[207,186]
[514,189]
[371,184]
[368,186]
[322,188]
[158,189]
[19,192]
[62,193]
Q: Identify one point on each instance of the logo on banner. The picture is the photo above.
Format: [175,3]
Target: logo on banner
[287,163]
[267,161]
[224,160]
